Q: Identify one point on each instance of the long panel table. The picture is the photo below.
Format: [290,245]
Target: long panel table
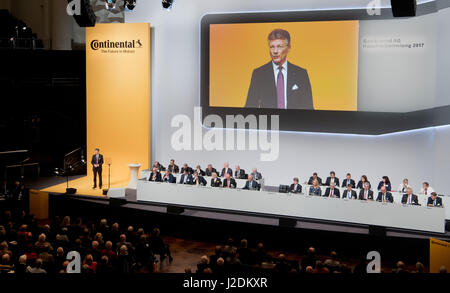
[240,183]
[409,217]
[396,195]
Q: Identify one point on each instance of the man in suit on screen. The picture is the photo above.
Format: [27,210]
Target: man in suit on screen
[97,163]
[280,84]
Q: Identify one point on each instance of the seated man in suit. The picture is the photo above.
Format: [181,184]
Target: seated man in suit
[210,170]
[155,175]
[226,170]
[366,193]
[172,167]
[158,166]
[199,170]
[198,179]
[251,184]
[314,177]
[332,191]
[348,180]
[333,179]
[402,187]
[349,193]
[409,197]
[434,200]
[186,167]
[186,178]
[215,181]
[239,173]
[256,175]
[315,188]
[229,181]
[295,187]
[168,177]
[384,195]
[426,189]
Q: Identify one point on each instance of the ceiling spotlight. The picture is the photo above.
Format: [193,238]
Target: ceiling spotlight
[167,4]
[110,4]
[130,4]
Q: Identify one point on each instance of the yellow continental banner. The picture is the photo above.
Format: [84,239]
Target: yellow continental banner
[439,255]
[118,96]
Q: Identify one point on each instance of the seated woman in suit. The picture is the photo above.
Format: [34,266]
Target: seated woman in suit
[362,181]
[315,188]
[385,182]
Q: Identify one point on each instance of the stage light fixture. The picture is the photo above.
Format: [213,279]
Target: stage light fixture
[130,4]
[167,4]
[110,4]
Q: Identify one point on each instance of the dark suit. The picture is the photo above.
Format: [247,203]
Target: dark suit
[190,170]
[315,191]
[155,177]
[328,181]
[361,184]
[216,183]
[160,168]
[256,175]
[229,171]
[252,186]
[169,179]
[295,189]
[188,180]
[240,174]
[232,183]
[173,169]
[209,172]
[311,179]
[345,182]
[346,192]
[336,192]
[200,172]
[438,201]
[414,199]
[200,180]
[97,170]
[388,186]
[369,194]
[262,92]
[389,197]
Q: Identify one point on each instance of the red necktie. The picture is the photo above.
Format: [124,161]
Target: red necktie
[331,192]
[280,88]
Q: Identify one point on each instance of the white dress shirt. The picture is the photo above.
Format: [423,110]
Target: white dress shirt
[284,72]
[429,190]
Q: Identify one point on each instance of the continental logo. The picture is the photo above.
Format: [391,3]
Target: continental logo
[134,44]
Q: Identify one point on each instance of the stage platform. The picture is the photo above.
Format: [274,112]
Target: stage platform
[85,193]
[84,186]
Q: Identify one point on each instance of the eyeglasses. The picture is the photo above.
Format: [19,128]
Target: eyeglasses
[279,47]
